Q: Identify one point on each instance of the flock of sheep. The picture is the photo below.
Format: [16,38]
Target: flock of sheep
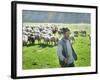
[42,34]
[45,34]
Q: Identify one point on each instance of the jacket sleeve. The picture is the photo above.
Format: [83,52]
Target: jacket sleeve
[59,52]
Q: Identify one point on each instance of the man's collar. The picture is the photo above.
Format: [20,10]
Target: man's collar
[65,39]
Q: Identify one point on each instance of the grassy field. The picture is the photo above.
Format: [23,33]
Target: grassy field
[45,56]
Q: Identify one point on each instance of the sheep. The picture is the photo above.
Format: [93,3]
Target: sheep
[46,38]
[76,33]
[54,30]
[38,37]
[71,38]
[54,40]
[31,39]
[83,33]
[25,40]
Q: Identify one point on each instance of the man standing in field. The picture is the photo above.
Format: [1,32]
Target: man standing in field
[65,52]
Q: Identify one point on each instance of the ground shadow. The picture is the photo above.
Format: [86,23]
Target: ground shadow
[42,45]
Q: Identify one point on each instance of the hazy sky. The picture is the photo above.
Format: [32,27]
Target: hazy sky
[55,17]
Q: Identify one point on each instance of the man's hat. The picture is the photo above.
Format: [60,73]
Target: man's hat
[65,30]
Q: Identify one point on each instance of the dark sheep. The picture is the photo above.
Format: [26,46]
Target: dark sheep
[83,33]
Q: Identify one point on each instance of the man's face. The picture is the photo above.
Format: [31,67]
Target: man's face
[66,34]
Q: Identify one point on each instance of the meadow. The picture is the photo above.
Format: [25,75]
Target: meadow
[40,56]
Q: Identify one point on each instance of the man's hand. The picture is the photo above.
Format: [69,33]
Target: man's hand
[65,60]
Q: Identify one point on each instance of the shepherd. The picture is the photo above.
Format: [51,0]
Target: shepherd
[65,51]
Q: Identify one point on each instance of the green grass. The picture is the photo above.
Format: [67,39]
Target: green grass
[82,48]
[41,56]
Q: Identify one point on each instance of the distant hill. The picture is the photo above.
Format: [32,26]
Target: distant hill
[55,17]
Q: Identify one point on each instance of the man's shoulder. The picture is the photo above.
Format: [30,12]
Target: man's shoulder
[60,41]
